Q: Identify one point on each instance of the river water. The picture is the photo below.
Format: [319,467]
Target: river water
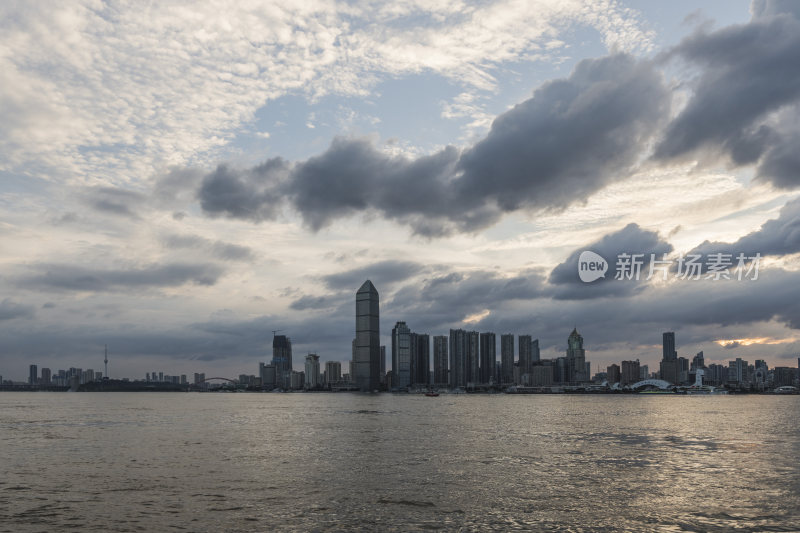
[263,462]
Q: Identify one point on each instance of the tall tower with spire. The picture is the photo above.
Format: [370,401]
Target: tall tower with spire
[576,358]
[367,353]
[105,362]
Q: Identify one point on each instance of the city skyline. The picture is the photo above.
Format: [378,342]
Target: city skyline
[179,187]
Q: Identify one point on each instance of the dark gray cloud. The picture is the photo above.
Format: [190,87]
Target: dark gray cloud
[747,72]
[316,303]
[10,310]
[252,194]
[382,274]
[777,237]
[631,239]
[442,301]
[115,201]
[219,249]
[78,278]
[573,137]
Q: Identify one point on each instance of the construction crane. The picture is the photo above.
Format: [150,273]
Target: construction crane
[274,331]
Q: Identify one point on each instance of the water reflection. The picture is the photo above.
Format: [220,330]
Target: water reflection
[250,462]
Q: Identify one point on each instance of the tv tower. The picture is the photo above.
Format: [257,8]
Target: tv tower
[105,361]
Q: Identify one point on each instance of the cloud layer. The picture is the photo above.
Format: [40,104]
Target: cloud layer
[574,136]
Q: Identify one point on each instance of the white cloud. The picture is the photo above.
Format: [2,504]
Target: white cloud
[92,92]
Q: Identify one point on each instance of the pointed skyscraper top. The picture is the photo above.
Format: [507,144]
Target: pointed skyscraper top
[368,287]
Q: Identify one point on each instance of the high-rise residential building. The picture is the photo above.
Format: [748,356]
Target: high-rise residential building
[488,347]
[668,346]
[401,356]
[525,356]
[33,375]
[440,360]
[613,374]
[421,359]
[535,356]
[312,377]
[45,380]
[576,358]
[473,357]
[644,372]
[737,371]
[382,378]
[458,358]
[783,376]
[629,373]
[506,358]
[333,372]
[367,360]
[282,360]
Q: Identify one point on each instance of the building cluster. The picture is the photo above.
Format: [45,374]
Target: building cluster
[45,378]
[461,360]
[738,374]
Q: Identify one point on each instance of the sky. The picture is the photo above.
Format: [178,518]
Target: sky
[178,182]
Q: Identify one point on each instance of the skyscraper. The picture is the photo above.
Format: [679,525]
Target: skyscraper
[525,358]
[382,377]
[576,358]
[668,346]
[367,363]
[312,378]
[507,358]
[33,375]
[440,360]
[488,345]
[458,358]
[535,355]
[422,359]
[333,372]
[473,361]
[282,359]
[401,356]
[669,369]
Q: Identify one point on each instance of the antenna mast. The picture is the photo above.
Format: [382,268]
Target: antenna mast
[105,361]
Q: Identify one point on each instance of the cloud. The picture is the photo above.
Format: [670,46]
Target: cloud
[10,310]
[316,303]
[382,274]
[747,73]
[218,249]
[247,194]
[77,278]
[445,300]
[631,239]
[115,201]
[111,93]
[573,137]
[776,237]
